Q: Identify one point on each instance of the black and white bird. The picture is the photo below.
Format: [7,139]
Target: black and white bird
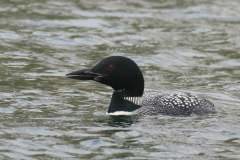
[129,97]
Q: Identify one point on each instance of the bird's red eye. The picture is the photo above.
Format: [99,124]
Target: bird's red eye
[111,68]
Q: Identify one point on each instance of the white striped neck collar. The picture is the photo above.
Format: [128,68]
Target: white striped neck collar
[135,100]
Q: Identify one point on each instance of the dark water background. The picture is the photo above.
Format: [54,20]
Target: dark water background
[180,45]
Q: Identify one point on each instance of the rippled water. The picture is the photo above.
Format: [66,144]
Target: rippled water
[189,46]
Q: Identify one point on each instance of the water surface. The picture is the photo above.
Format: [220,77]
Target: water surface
[180,46]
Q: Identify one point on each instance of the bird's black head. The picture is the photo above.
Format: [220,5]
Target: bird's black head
[121,73]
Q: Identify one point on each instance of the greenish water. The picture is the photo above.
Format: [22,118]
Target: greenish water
[180,45]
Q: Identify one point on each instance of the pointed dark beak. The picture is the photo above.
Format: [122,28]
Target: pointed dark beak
[84,74]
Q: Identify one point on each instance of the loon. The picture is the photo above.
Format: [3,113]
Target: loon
[125,77]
